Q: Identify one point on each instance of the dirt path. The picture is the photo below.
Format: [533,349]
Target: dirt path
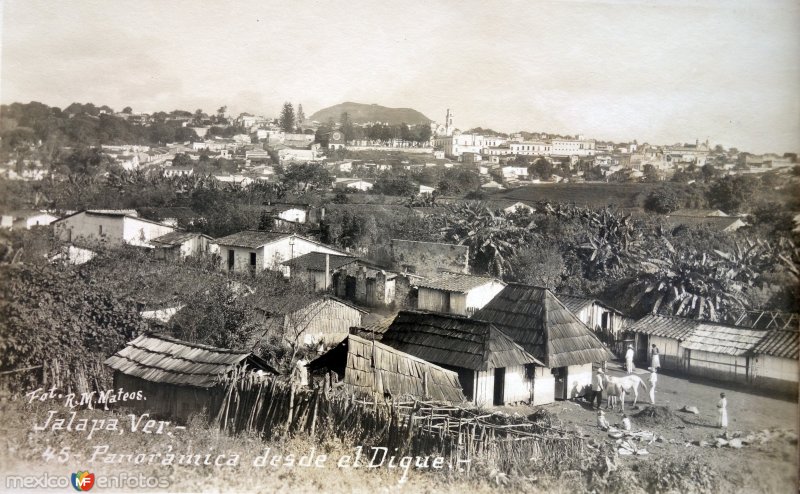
[768,467]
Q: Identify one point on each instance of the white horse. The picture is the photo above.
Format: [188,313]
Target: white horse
[619,386]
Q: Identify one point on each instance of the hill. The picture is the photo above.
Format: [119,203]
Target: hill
[361,113]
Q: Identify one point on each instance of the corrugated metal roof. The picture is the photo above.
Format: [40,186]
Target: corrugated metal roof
[535,319]
[163,359]
[455,282]
[677,328]
[457,341]
[780,343]
[726,340]
[373,367]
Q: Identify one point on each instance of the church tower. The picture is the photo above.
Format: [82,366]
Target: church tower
[448,123]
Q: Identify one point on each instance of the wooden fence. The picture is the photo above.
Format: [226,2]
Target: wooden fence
[274,407]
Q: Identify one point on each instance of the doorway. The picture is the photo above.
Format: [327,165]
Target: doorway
[231,258]
[499,386]
[560,375]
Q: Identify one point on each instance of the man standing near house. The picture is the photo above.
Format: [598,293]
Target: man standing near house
[629,359]
[597,388]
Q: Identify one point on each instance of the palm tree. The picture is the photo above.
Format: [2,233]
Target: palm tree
[492,238]
[690,283]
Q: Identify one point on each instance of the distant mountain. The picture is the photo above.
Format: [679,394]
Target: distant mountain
[361,113]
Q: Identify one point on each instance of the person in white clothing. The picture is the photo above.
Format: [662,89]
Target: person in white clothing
[652,382]
[626,423]
[629,359]
[602,423]
[655,359]
[722,412]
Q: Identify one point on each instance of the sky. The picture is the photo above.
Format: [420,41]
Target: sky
[661,71]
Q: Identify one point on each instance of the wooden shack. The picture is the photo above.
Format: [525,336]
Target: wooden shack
[667,333]
[541,324]
[776,361]
[376,371]
[722,352]
[492,369]
[178,378]
[607,322]
[310,320]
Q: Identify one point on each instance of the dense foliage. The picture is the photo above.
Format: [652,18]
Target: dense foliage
[46,310]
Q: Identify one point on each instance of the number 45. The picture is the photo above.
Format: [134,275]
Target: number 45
[50,454]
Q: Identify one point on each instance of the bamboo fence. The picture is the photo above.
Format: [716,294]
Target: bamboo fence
[273,407]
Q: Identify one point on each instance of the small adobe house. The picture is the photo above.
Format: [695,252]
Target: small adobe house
[492,369]
[541,324]
[373,370]
[178,378]
[456,293]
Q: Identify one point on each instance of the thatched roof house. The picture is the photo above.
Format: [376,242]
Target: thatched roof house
[370,368]
[490,366]
[539,322]
[178,378]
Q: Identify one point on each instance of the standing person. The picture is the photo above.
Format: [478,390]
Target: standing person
[652,381]
[655,359]
[629,359]
[597,389]
[722,412]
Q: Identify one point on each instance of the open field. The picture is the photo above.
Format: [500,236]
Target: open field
[595,194]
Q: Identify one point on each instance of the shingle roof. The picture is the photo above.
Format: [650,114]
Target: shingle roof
[784,344]
[455,282]
[678,328]
[163,359]
[315,261]
[372,367]
[575,303]
[251,239]
[177,238]
[543,326]
[457,341]
[727,340]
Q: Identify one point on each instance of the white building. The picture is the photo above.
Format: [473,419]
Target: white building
[26,219]
[354,184]
[572,147]
[530,148]
[518,172]
[457,293]
[295,155]
[253,250]
[109,227]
